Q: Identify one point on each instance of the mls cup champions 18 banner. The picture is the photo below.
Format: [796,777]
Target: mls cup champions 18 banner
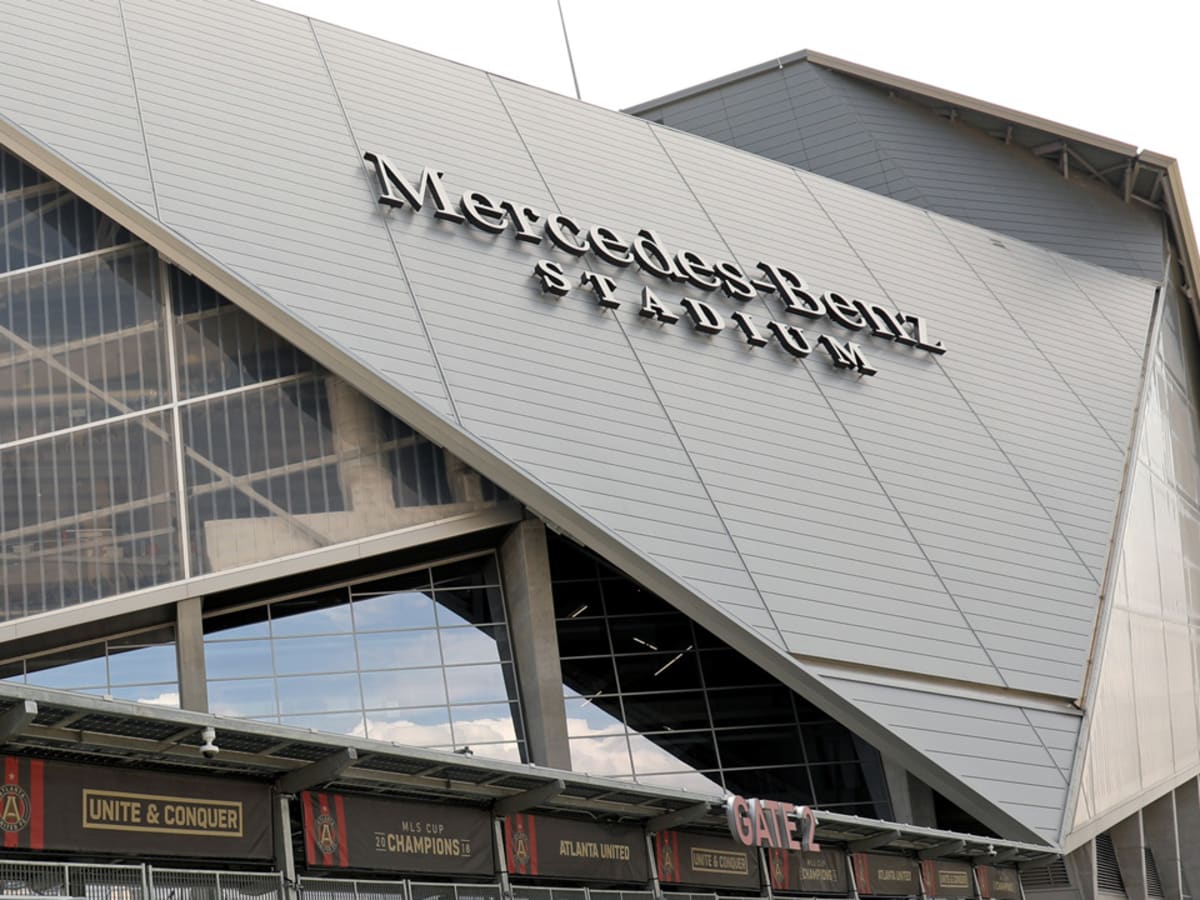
[50,805]
[349,832]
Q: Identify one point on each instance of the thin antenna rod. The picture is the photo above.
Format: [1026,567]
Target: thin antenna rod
[570,58]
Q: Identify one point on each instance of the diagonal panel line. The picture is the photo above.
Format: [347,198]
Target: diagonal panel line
[138,103]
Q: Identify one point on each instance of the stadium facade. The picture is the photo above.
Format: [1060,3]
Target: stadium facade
[416,478]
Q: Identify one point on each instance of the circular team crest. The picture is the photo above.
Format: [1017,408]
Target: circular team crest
[14,807]
[521,846]
[325,827]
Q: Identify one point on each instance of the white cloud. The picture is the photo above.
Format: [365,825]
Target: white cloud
[166,698]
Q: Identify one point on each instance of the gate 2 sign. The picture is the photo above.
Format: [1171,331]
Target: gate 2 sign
[771,823]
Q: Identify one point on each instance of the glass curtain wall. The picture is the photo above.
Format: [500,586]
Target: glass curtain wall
[653,697]
[152,431]
[420,658]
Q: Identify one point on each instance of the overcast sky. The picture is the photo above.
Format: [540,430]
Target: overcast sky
[1123,70]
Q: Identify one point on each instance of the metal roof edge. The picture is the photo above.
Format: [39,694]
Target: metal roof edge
[720,81]
[557,512]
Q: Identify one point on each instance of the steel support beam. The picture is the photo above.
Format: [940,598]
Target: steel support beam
[320,772]
[16,719]
[506,806]
[945,849]
[873,841]
[671,820]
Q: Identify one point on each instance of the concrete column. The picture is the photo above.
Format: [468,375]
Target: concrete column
[920,799]
[1129,844]
[189,654]
[285,860]
[525,573]
[1081,864]
[897,785]
[366,481]
[1161,833]
[1187,815]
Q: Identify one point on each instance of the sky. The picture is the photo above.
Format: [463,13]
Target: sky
[1122,70]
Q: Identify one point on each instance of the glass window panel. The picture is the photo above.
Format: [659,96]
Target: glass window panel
[86,515]
[479,724]
[474,684]
[325,653]
[842,783]
[247,698]
[700,782]
[468,606]
[417,580]
[768,746]
[84,673]
[623,598]
[583,637]
[398,649]
[318,693]
[142,665]
[245,623]
[327,613]
[591,717]
[569,562]
[237,659]
[16,174]
[236,445]
[828,742]
[220,346]
[669,632]
[601,755]
[155,694]
[658,672]
[403,688]
[588,677]
[408,609]
[666,712]
[41,225]
[414,727]
[738,707]
[577,599]
[331,723]
[471,645]
[790,782]
[673,751]
[728,668]
[477,572]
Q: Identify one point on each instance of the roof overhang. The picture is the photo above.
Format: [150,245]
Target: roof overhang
[1139,176]
[97,730]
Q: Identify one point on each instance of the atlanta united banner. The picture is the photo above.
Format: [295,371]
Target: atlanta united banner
[705,860]
[102,810]
[567,848]
[348,832]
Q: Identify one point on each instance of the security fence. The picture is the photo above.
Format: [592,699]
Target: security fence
[81,881]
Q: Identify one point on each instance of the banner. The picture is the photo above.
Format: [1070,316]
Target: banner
[551,847]
[103,810]
[349,832]
[705,861]
[945,879]
[808,871]
[878,875]
[998,884]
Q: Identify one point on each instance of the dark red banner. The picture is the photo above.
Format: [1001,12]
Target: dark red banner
[945,879]
[50,805]
[808,871]
[550,847]
[998,884]
[879,875]
[705,861]
[348,832]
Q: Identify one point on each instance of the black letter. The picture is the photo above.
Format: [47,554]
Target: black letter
[696,270]
[848,357]
[744,322]
[648,251]
[704,317]
[522,218]
[918,325]
[554,280]
[843,311]
[734,281]
[791,338]
[430,181]
[557,226]
[608,246]
[482,213]
[791,288]
[604,288]
[892,325]
[652,308]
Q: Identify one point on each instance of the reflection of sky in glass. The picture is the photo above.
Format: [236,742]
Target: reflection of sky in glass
[142,674]
[404,610]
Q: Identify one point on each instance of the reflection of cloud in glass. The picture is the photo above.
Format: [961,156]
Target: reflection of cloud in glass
[166,698]
[601,749]
[488,737]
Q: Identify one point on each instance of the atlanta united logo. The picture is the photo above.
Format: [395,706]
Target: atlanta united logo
[521,846]
[777,869]
[668,862]
[325,827]
[14,807]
